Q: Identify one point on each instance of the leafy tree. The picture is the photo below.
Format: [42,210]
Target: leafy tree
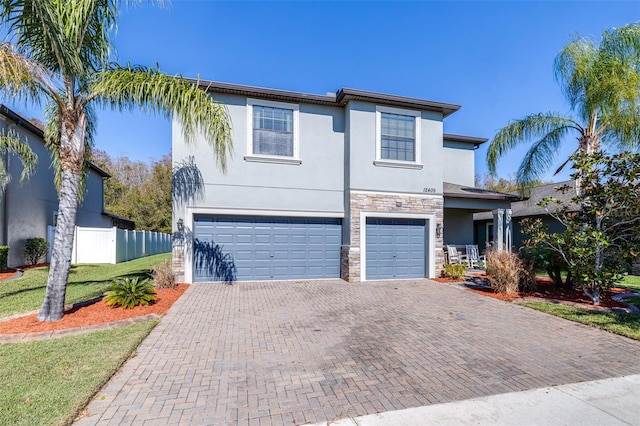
[138,191]
[602,84]
[508,185]
[605,231]
[61,57]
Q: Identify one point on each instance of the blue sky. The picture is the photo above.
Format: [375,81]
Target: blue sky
[495,58]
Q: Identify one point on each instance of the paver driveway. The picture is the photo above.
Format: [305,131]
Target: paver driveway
[297,352]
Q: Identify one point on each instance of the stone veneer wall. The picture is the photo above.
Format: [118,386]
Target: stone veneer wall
[380,202]
[177,262]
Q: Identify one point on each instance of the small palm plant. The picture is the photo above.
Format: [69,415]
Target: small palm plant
[129,293]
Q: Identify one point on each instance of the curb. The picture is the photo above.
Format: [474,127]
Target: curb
[43,335]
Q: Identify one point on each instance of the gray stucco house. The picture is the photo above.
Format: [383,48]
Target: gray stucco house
[356,184]
[27,209]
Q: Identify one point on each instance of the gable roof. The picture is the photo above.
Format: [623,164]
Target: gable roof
[340,98]
[29,126]
[530,207]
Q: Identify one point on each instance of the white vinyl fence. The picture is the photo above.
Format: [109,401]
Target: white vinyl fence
[112,245]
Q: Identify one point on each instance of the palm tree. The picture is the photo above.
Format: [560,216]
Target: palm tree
[602,84]
[60,56]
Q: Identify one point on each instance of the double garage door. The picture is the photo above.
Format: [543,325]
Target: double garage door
[273,248]
[300,248]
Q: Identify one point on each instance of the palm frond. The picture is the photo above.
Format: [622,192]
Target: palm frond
[622,130]
[70,37]
[126,88]
[11,143]
[536,126]
[540,157]
[22,78]
[573,70]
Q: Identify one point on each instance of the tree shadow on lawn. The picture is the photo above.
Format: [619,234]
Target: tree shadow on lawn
[73,284]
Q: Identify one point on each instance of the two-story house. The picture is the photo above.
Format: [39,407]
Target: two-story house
[356,185]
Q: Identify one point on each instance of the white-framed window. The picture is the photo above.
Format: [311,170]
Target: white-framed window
[272,131]
[397,137]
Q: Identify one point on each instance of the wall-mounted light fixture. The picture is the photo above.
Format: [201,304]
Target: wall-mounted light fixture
[439,230]
[180,226]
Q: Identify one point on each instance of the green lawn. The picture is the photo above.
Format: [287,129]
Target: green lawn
[85,282]
[620,323]
[635,301]
[48,382]
[631,281]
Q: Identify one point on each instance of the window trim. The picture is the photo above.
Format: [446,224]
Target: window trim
[416,164]
[280,159]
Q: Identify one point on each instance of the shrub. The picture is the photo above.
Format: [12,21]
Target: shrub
[128,293]
[4,257]
[454,270]
[508,272]
[163,275]
[35,249]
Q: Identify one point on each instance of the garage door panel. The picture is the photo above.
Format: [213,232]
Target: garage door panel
[274,248]
[262,238]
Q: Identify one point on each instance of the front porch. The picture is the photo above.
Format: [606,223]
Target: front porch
[460,203]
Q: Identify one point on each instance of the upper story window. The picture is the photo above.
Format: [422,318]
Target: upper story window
[272,131]
[397,137]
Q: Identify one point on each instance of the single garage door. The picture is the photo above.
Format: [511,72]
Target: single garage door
[273,248]
[395,248]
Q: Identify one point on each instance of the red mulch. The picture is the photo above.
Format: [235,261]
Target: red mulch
[8,273]
[547,290]
[12,272]
[95,313]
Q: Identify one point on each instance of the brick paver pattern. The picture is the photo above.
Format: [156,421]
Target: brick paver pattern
[287,353]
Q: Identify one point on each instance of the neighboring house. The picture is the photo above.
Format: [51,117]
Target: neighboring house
[27,209]
[529,208]
[357,185]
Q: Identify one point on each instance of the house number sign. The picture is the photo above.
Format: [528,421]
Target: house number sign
[429,190]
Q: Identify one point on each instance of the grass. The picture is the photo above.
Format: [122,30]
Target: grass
[635,301]
[86,282]
[48,382]
[627,325]
[631,281]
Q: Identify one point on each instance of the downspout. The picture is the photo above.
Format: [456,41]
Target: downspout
[5,196]
[5,206]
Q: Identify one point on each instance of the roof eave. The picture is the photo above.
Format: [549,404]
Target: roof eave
[472,140]
[341,98]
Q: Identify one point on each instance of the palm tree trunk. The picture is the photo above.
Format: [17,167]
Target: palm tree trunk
[71,161]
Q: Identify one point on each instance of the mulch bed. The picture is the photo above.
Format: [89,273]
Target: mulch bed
[547,290]
[95,313]
[8,273]
[12,272]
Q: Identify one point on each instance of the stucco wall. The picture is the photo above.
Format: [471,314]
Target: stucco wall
[365,175]
[458,227]
[314,185]
[459,162]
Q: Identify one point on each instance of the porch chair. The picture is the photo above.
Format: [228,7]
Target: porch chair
[474,258]
[455,257]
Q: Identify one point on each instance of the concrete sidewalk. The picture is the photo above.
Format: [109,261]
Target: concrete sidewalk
[602,402]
